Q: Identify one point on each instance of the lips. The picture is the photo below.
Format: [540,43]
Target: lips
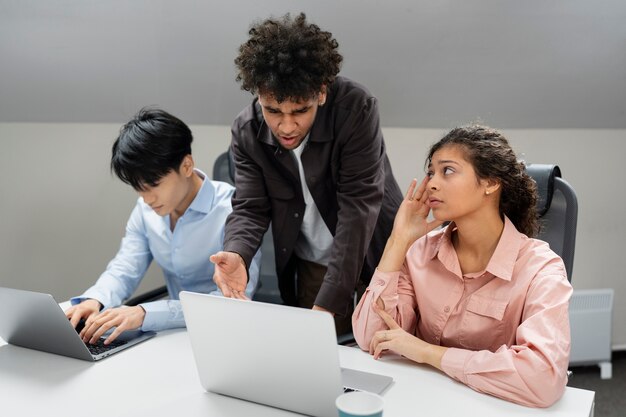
[289,140]
[433,202]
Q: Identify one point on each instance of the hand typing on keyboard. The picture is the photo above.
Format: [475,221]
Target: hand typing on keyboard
[99,347]
[96,323]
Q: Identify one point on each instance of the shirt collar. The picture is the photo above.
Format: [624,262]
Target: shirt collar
[204,199]
[502,262]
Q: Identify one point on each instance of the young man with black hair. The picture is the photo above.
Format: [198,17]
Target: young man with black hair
[178,219]
[310,158]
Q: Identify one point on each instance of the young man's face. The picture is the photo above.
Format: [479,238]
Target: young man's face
[290,121]
[171,193]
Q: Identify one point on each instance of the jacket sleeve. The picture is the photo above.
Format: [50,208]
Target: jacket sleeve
[250,218]
[360,191]
[533,371]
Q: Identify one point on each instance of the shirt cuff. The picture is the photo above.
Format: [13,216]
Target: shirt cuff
[385,285]
[453,363]
[100,294]
[154,318]
[78,300]
[162,314]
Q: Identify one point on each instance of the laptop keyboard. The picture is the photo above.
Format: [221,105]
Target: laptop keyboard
[99,347]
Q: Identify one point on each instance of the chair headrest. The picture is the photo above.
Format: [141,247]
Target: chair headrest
[231,165]
[544,175]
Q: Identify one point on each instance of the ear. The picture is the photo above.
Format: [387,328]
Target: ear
[186,166]
[321,97]
[491,185]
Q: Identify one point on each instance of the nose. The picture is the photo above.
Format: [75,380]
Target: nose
[288,125]
[148,198]
[432,184]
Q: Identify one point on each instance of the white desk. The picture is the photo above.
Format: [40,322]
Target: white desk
[158,378]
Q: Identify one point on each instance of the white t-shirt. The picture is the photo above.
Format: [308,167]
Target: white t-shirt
[315,240]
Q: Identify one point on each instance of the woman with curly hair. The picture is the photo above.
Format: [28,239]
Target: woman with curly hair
[480,299]
[309,158]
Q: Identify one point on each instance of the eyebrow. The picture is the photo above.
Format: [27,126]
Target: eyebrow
[444,161]
[305,107]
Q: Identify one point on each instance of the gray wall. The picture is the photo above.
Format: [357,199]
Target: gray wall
[549,73]
[63,214]
[519,64]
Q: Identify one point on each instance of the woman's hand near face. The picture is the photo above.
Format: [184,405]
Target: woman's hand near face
[411,220]
[410,224]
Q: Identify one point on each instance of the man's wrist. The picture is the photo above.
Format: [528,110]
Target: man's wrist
[142,312]
[98,304]
[241,259]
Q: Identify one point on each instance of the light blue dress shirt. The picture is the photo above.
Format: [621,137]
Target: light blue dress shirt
[183,255]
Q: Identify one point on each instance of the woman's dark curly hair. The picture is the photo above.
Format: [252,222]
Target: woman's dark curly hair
[492,158]
[288,59]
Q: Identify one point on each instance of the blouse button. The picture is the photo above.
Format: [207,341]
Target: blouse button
[446,309]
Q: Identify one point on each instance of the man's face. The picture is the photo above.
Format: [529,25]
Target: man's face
[290,121]
[171,192]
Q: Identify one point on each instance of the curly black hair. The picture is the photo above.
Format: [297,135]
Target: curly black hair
[288,59]
[492,157]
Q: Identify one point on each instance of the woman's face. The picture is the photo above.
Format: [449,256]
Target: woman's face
[454,189]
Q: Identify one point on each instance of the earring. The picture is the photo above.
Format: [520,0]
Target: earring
[321,103]
[487,192]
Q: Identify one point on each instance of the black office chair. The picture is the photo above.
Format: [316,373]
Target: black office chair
[152,295]
[558,210]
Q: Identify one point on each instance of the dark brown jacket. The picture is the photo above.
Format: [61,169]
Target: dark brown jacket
[350,179]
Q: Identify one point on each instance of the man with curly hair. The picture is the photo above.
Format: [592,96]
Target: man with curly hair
[309,158]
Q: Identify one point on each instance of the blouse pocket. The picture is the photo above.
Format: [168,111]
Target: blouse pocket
[483,325]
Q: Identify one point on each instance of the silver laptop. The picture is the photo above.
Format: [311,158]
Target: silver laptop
[36,321]
[270,354]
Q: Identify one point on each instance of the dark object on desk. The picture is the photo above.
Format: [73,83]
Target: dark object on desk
[558,210]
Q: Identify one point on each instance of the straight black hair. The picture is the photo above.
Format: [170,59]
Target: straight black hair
[150,146]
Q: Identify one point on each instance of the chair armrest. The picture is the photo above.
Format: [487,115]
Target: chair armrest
[148,296]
